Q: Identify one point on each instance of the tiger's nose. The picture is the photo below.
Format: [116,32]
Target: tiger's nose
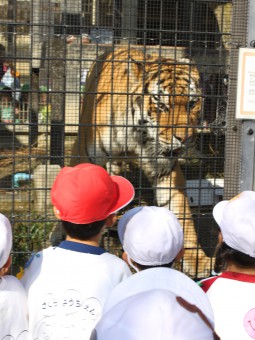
[183,133]
[185,139]
[181,139]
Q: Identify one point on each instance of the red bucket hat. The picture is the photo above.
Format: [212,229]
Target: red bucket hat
[87,193]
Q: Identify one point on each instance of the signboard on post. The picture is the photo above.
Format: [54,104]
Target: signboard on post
[245,105]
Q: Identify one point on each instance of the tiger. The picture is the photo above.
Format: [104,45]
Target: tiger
[140,111]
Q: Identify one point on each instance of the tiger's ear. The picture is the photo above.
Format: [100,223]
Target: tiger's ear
[135,69]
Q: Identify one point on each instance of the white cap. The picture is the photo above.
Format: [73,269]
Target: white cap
[5,239]
[154,314]
[236,219]
[150,235]
[165,279]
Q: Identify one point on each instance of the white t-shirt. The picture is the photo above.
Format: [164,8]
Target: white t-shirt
[161,278]
[13,309]
[67,287]
[232,296]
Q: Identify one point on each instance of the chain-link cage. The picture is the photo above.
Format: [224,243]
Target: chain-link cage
[140,87]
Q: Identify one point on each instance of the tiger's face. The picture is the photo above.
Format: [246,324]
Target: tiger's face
[140,106]
[166,110]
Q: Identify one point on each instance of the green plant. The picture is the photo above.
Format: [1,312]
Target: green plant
[29,237]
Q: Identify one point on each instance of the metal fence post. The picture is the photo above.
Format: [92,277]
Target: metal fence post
[248,126]
[232,167]
[57,69]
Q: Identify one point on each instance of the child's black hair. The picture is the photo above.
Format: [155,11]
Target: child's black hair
[143,267]
[83,231]
[226,255]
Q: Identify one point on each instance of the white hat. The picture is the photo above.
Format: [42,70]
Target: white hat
[164,279]
[5,239]
[236,219]
[150,235]
[154,314]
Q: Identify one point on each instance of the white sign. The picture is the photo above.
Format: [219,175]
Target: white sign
[245,104]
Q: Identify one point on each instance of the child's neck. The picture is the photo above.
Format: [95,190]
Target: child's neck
[93,241]
[237,269]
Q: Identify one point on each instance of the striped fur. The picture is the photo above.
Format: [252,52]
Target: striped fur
[141,110]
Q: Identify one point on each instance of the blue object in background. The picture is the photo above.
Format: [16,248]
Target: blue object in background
[20,176]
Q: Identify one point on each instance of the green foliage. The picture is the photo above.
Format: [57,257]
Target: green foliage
[28,237]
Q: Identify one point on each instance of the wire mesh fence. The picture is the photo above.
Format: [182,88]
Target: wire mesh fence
[140,87]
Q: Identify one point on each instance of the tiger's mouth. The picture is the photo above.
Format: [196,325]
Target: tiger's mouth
[172,153]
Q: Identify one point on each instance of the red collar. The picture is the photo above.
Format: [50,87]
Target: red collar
[238,276]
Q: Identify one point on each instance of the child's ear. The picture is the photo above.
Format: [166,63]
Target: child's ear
[5,269]
[110,220]
[124,257]
[56,213]
[220,237]
[180,255]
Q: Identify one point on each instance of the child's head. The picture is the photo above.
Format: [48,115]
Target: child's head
[83,231]
[154,314]
[236,219]
[5,244]
[150,236]
[86,194]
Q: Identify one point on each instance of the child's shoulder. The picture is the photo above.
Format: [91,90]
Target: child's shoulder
[205,284]
[112,257]
[11,283]
[33,257]
[115,264]
[34,260]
